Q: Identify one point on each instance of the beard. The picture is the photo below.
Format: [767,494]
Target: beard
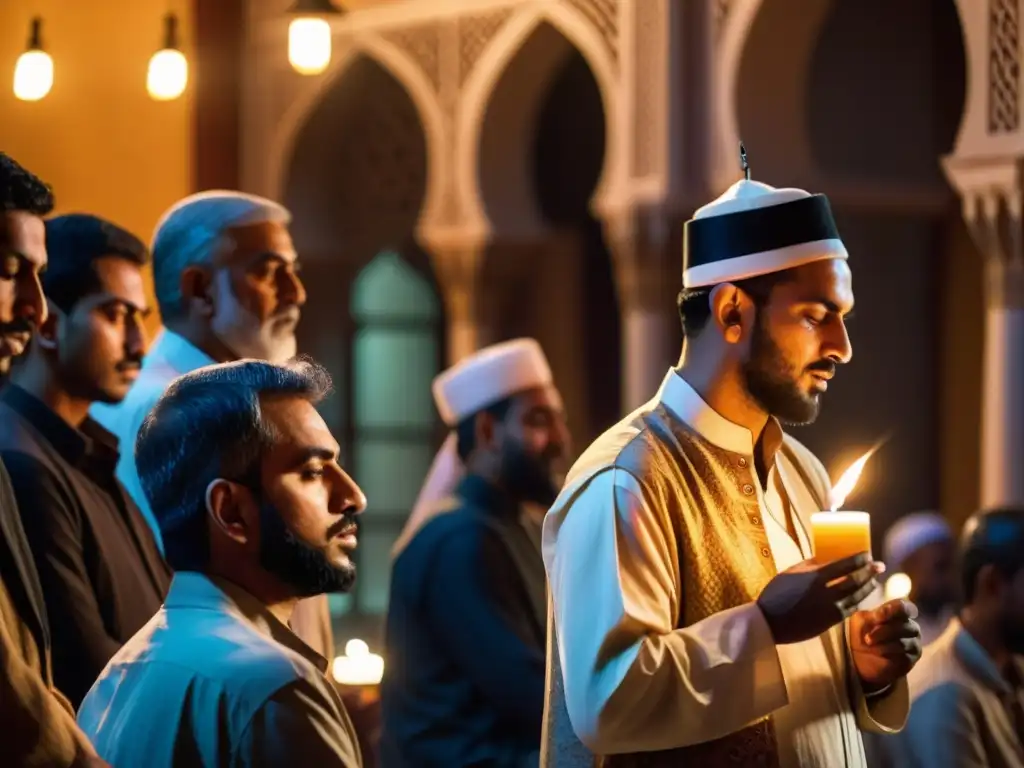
[530,477]
[306,569]
[1013,633]
[773,382]
[243,333]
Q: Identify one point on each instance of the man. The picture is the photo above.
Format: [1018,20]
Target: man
[968,709]
[226,279]
[689,618]
[37,722]
[466,620]
[101,572]
[256,514]
[921,545]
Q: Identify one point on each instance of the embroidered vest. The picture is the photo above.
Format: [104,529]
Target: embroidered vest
[724,560]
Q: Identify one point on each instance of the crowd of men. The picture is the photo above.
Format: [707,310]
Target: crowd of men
[172,517]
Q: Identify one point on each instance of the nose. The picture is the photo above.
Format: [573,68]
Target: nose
[348,497]
[292,289]
[840,349]
[135,338]
[30,303]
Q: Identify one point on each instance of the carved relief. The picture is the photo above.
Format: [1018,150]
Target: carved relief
[648,55]
[1003,66]
[423,45]
[475,32]
[604,17]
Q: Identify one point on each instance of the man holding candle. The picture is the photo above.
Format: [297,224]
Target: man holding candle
[689,618]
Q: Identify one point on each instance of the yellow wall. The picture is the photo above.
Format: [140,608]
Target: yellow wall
[104,145]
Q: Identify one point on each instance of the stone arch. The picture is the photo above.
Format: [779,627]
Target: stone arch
[412,79]
[547,34]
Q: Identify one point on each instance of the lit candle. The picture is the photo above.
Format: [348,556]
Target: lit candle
[842,534]
[358,667]
[897,586]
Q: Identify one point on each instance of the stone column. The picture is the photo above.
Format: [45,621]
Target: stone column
[995,220]
[648,275]
[458,265]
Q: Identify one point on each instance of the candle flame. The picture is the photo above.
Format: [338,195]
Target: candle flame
[844,487]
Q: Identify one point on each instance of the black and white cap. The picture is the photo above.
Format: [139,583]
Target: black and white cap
[754,229]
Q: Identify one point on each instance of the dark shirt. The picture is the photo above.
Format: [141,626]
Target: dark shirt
[101,574]
[465,640]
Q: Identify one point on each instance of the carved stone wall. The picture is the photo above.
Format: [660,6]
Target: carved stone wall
[1004,66]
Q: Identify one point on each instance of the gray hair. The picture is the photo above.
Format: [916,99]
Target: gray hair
[192,230]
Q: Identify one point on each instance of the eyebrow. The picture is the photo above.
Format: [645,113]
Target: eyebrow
[108,299]
[316,452]
[828,304]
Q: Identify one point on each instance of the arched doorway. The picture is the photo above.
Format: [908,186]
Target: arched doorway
[867,124]
[541,155]
[356,183]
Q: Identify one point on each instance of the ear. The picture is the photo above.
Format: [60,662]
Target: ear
[732,312]
[484,428]
[196,285]
[46,335]
[229,505]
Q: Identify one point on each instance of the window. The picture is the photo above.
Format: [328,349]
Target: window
[393,430]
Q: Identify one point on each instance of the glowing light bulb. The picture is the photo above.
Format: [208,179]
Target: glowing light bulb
[897,586]
[309,45]
[167,75]
[33,74]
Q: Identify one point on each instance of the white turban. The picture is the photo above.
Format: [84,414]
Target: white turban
[487,377]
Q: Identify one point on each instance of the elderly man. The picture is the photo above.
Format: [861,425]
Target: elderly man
[37,722]
[256,514]
[466,628]
[968,691]
[227,286]
[692,624]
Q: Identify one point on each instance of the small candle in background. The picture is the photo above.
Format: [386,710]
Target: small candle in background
[897,586]
[840,534]
[358,667]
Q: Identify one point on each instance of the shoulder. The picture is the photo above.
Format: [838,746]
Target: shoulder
[943,704]
[457,529]
[29,470]
[14,432]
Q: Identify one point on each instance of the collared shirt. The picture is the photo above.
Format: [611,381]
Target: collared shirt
[101,574]
[722,672]
[965,712]
[169,357]
[215,679]
[465,639]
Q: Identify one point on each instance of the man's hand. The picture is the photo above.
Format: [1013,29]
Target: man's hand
[810,598]
[885,643]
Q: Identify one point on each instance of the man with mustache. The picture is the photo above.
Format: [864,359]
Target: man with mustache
[226,277]
[256,514]
[466,622]
[968,705]
[691,624]
[99,567]
[37,722]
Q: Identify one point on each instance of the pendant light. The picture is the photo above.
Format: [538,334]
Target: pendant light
[167,75]
[309,35]
[33,74]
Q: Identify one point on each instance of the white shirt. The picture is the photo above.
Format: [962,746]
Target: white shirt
[713,677]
